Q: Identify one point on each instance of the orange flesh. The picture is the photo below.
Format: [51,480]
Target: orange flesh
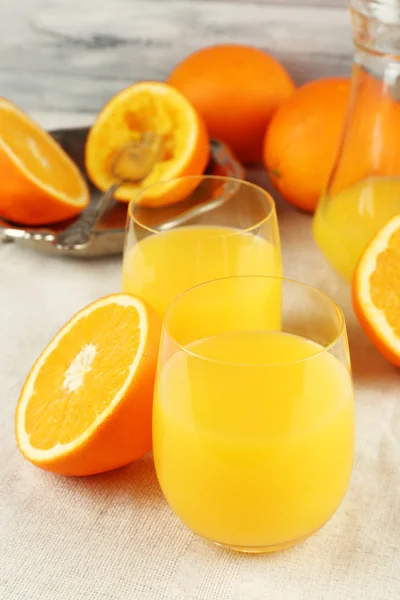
[147,112]
[38,154]
[103,330]
[385,283]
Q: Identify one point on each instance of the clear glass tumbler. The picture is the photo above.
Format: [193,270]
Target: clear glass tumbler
[225,227]
[253,423]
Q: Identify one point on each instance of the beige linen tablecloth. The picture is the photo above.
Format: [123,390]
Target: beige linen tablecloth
[113,537]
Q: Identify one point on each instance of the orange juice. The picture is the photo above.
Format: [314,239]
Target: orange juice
[344,224]
[250,455]
[161,266]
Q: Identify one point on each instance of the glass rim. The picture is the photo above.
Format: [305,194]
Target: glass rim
[270,214]
[340,333]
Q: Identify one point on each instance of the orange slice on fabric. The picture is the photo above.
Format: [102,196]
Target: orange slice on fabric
[86,405]
[155,107]
[40,184]
[376,291]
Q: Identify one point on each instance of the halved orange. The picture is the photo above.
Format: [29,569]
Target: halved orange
[86,405]
[39,183]
[148,106]
[376,291]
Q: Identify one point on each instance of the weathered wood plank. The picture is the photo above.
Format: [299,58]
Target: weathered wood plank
[74,55]
[302,3]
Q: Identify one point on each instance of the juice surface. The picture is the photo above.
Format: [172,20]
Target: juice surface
[249,455]
[160,267]
[345,224]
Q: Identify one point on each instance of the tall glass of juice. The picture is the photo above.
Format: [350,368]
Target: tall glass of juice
[253,422]
[221,227]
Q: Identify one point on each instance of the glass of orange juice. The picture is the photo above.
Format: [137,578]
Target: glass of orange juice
[253,418]
[222,227]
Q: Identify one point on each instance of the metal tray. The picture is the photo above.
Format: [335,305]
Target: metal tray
[108,238]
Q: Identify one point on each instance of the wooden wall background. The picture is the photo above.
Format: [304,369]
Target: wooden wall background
[72,55]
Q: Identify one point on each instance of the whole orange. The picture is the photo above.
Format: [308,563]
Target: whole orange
[302,140]
[236,89]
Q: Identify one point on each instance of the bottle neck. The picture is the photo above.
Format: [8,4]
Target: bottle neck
[376,26]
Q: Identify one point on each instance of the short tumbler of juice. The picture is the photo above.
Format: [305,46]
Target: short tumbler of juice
[223,227]
[253,424]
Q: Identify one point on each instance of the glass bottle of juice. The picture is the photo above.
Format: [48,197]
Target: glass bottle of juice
[364,188]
